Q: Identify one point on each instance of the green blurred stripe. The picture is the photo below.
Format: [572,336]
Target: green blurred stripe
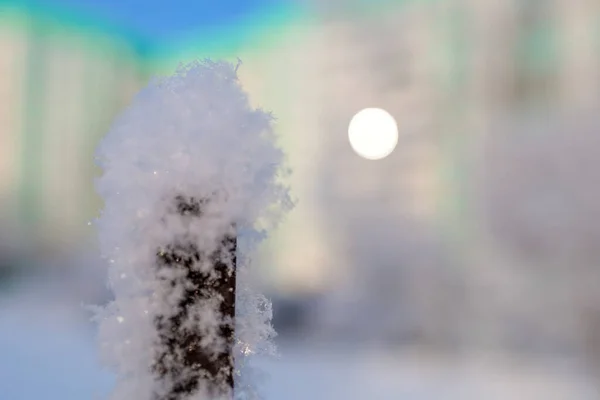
[537,51]
[30,199]
[56,17]
[103,105]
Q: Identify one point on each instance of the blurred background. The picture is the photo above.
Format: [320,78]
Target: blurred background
[466,265]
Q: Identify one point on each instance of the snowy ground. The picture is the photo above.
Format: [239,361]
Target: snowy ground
[352,375]
[47,354]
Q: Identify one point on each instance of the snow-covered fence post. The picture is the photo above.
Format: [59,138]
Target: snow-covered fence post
[184,348]
[191,185]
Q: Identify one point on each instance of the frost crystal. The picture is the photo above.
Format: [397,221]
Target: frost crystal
[191,183]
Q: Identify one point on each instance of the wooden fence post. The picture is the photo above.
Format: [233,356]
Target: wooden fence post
[182,347]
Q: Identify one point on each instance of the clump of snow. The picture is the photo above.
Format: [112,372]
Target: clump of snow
[193,134]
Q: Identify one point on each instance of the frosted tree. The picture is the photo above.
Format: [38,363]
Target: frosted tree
[538,195]
[191,185]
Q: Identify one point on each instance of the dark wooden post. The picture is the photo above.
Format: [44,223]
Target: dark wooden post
[184,363]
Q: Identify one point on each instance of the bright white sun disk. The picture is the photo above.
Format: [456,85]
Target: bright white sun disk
[373,133]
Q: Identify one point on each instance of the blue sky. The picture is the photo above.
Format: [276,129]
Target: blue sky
[161,20]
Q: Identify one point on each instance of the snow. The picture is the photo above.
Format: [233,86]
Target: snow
[194,135]
[47,354]
[349,374]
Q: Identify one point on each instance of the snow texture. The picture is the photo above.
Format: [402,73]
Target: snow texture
[193,134]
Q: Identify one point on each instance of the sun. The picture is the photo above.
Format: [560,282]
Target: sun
[373,133]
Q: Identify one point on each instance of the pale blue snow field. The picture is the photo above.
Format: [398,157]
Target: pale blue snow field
[48,352]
